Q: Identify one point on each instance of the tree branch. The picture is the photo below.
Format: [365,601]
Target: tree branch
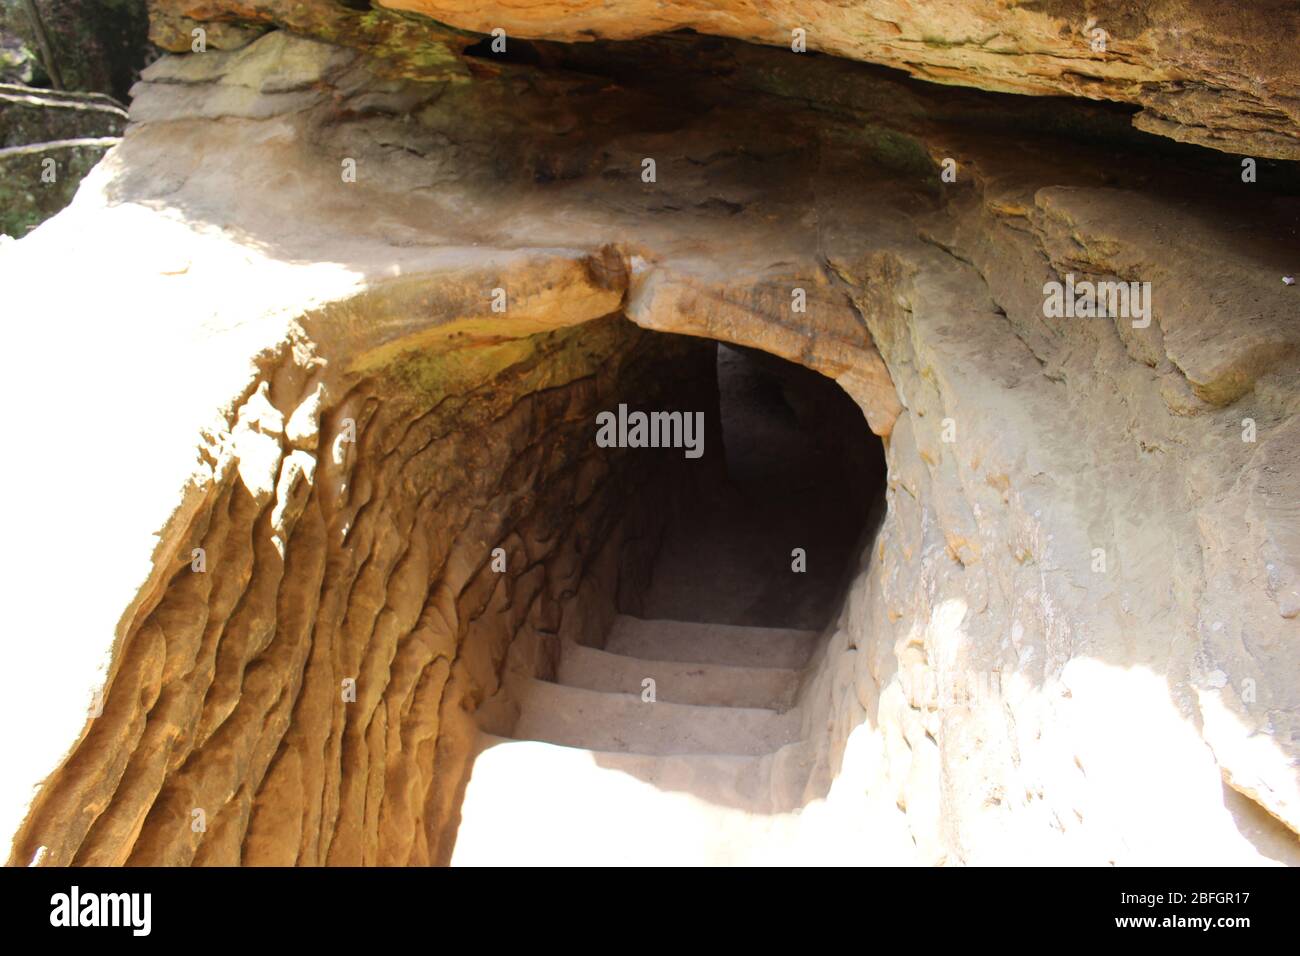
[35,96]
[43,41]
[34,149]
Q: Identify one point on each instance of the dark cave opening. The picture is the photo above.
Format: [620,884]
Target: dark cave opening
[772,537]
[697,685]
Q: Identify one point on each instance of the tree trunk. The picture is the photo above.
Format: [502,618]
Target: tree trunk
[43,41]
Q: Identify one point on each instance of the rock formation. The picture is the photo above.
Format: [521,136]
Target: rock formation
[1204,72]
[353,287]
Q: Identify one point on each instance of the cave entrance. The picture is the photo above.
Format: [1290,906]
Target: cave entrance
[679,732]
[773,536]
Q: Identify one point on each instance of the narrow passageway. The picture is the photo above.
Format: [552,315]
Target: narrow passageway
[802,471]
[679,740]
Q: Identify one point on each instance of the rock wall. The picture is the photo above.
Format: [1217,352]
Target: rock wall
[1069,642]
[302,688]
[1072,638]
[1219,75]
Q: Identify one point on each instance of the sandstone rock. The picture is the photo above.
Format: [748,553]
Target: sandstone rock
[1233,87]
[1080,537]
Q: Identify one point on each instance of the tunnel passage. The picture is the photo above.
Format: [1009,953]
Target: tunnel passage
[801,473]
[445,536]
[693,692]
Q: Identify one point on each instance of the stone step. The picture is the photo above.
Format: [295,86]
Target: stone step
[624,723]
[538,804]
[678,682]
[723,644]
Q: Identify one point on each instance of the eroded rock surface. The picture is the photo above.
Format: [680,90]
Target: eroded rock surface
[369,552]
[1072,639]
[1220,75]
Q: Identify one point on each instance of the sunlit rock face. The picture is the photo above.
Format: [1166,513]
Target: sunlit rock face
[371,555]
[373,301]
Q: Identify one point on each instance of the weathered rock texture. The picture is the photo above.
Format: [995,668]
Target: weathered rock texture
[1073,638]
[1221,75]
[328,560]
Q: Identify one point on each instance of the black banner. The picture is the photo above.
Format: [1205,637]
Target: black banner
[341,906]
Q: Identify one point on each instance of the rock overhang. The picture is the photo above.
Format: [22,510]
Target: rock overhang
[922,299]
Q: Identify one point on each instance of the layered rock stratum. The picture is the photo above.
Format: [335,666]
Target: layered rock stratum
[1073,637]
[1220,75]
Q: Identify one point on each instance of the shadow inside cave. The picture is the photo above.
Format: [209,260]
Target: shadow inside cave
[772,543]
[743,593]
